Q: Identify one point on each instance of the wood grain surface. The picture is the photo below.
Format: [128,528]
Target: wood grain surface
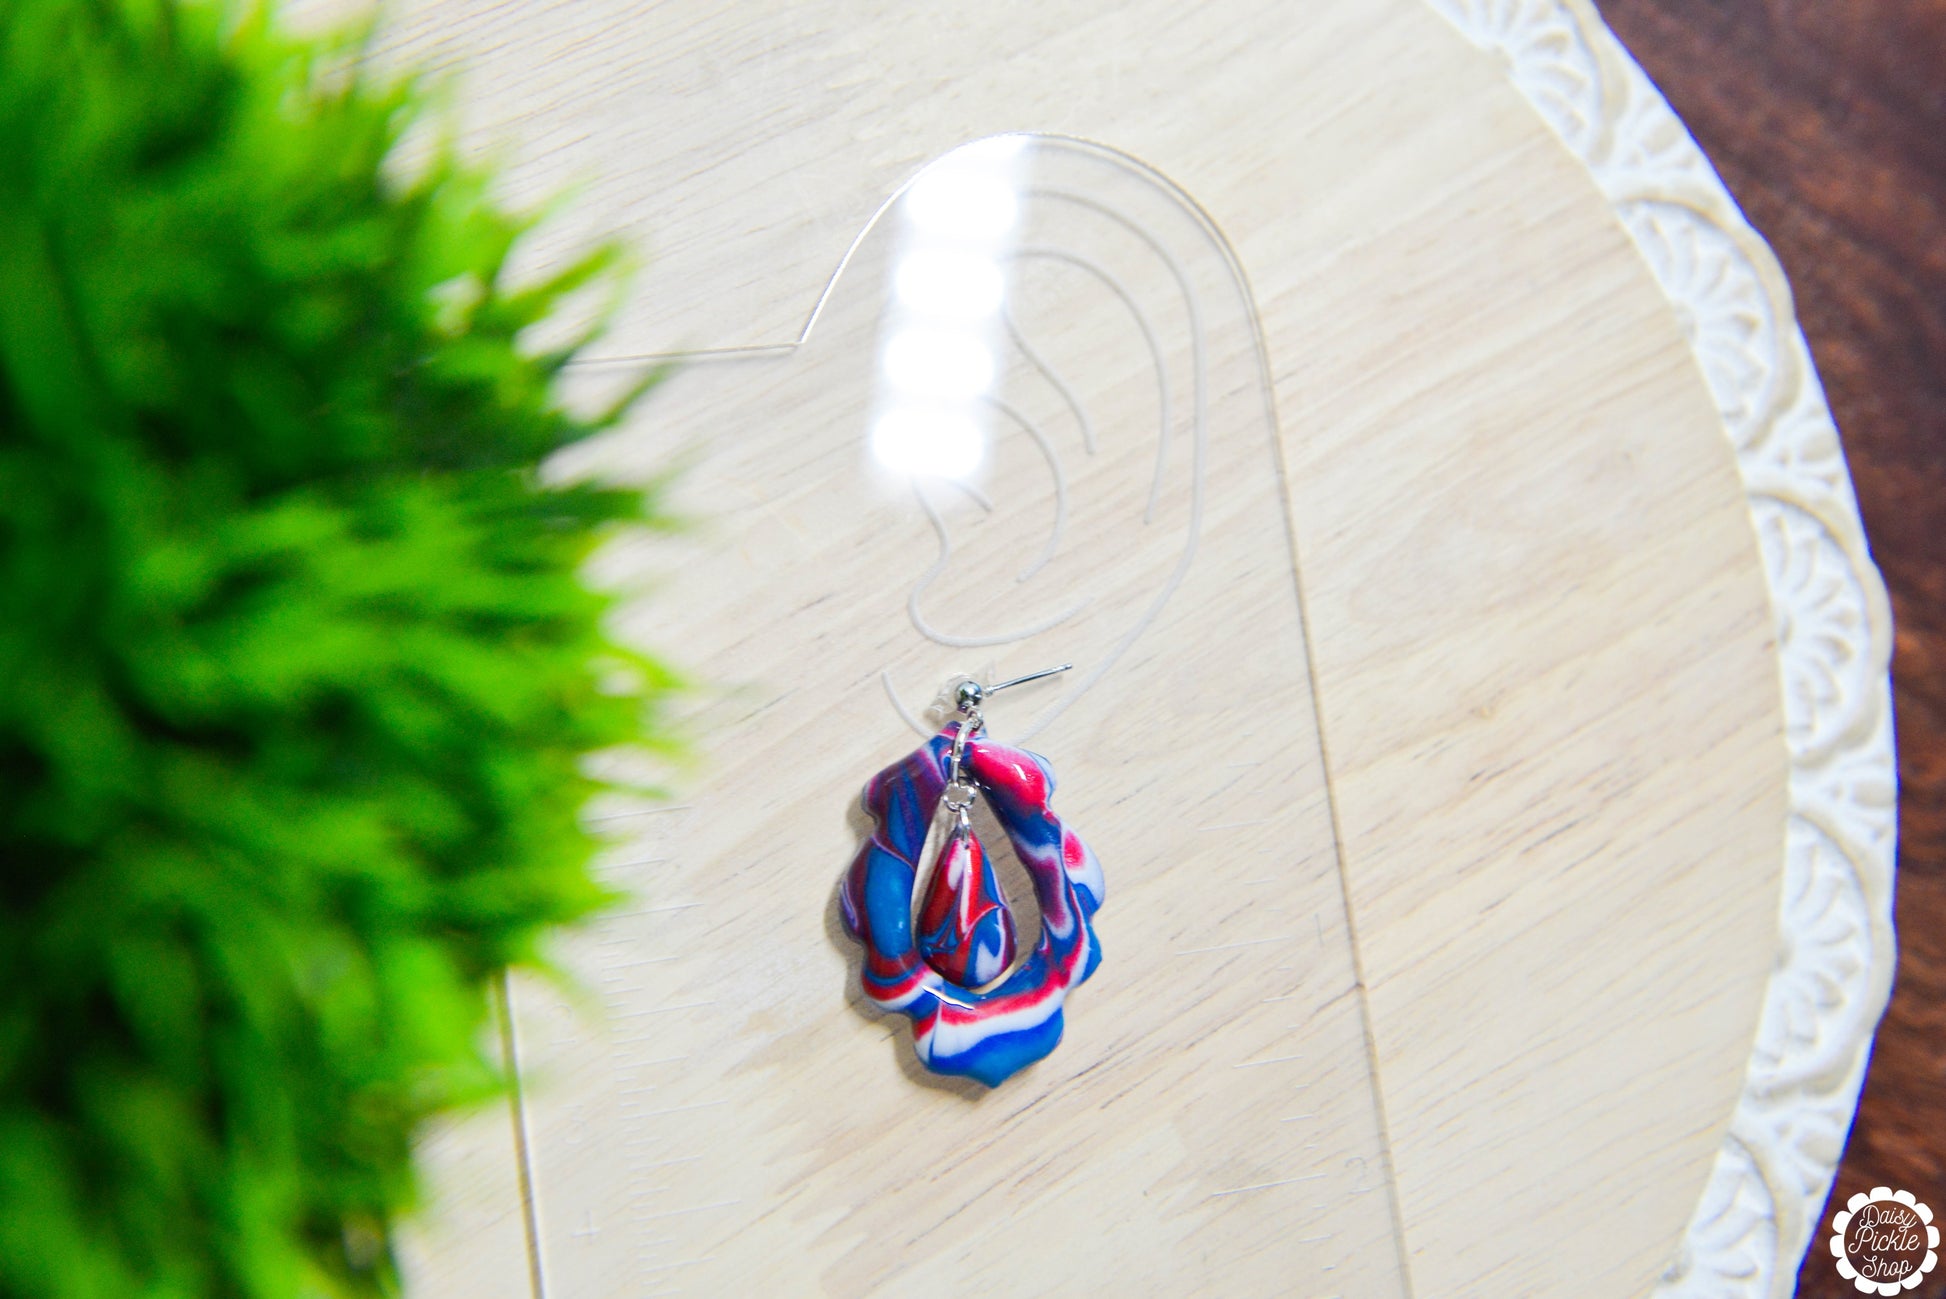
[1545,672]
[1828,123]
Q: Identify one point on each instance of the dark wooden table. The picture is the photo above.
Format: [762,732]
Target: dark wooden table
[1827,119]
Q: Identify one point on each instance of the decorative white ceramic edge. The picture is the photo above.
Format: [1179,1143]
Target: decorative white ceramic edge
[1833,971]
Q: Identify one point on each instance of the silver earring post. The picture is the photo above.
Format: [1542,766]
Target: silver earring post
[971,694]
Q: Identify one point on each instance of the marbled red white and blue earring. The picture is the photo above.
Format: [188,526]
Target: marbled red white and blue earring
[974,1012]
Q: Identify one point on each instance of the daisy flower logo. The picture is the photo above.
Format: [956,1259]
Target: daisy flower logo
[1884,1241]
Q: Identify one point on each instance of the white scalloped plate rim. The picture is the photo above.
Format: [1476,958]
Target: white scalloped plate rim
[1833,972]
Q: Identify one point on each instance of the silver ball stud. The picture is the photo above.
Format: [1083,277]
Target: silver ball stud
[968,696]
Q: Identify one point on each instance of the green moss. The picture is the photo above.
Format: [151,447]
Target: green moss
[295,674]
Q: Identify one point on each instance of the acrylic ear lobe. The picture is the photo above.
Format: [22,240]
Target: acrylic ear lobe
[966,930]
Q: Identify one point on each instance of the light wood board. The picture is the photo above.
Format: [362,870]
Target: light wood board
[1546,687]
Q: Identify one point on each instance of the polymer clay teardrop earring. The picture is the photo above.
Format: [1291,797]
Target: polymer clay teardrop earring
[974,1012]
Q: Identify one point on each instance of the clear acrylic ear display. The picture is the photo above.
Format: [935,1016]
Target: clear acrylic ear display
[1030,424]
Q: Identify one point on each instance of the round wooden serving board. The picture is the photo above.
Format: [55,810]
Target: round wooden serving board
[1477,607]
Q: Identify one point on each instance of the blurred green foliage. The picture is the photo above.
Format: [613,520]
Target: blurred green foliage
[295,673]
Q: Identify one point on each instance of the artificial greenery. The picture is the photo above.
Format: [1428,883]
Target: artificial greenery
[295,674]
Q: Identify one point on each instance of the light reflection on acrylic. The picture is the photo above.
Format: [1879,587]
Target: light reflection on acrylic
[936,353]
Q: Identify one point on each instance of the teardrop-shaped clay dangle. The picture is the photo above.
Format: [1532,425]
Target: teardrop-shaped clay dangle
[966,931]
